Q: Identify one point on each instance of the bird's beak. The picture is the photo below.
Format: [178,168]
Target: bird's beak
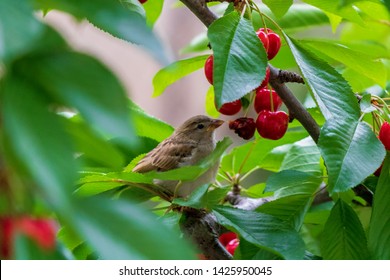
[215,124]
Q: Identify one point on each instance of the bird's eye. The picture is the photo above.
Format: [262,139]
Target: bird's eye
[200,126]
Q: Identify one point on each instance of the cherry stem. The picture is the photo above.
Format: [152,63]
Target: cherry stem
[384,107]
[253,95]
[375,121]
[261,16]
[247,156]
[271,99]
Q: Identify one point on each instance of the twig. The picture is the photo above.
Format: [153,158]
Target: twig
[200,9]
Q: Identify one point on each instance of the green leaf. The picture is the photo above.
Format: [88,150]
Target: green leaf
[379,231]
[343,237]
[239,57]
[291,209]
[19,28]
[175,71]
[351,152]
[292,182]
[387,4]
[27,249]
[198,44]
[146,125]
[210,103]
[120,230]
[195,200]
[134,6]
[365,104]
[337,100]
[262,230]
[350,149]
[303,155]
[153,9]
[246,251]
[96,183]
[37,140]
[237,158]
[278,7]
[334,20]
[333,7]
[361,62]
[274,159]
[82,82]
[300,16]
[93,148]
[112,17]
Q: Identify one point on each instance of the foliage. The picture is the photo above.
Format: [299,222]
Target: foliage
[69,135]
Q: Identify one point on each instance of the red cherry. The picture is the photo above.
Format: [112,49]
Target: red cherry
[232,245]
[231,108]
[6,237]
[264,83]
[263,100]
[274,43]
[225,238]
[263,37]
[384,135]
[42,231]
[142,1]
[272,125]
[208,68]
[244,127]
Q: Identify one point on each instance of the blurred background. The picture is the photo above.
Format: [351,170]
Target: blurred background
[136,68]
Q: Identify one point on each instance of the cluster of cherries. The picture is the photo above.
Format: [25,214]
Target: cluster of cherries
[384,137]
[271,123]
[41,231]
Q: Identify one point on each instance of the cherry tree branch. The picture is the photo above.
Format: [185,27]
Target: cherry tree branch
[201,11]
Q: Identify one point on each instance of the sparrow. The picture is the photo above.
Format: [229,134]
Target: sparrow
[190,143]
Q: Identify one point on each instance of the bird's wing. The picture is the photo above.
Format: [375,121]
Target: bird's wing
[166,156]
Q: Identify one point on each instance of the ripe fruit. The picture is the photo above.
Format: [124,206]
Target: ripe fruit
[244,127]
[231,108]
[264,83]
[384,135]
[263,37]
[142,1]
[272,125]
[6,229]
[263,100]
[232,245]
[273,45]
[42,231]
[208,68]
[226,237]
[274,42]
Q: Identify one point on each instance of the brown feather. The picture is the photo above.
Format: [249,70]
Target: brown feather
[168,155]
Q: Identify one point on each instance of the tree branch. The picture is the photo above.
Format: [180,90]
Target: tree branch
[202,228]
[200,9]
